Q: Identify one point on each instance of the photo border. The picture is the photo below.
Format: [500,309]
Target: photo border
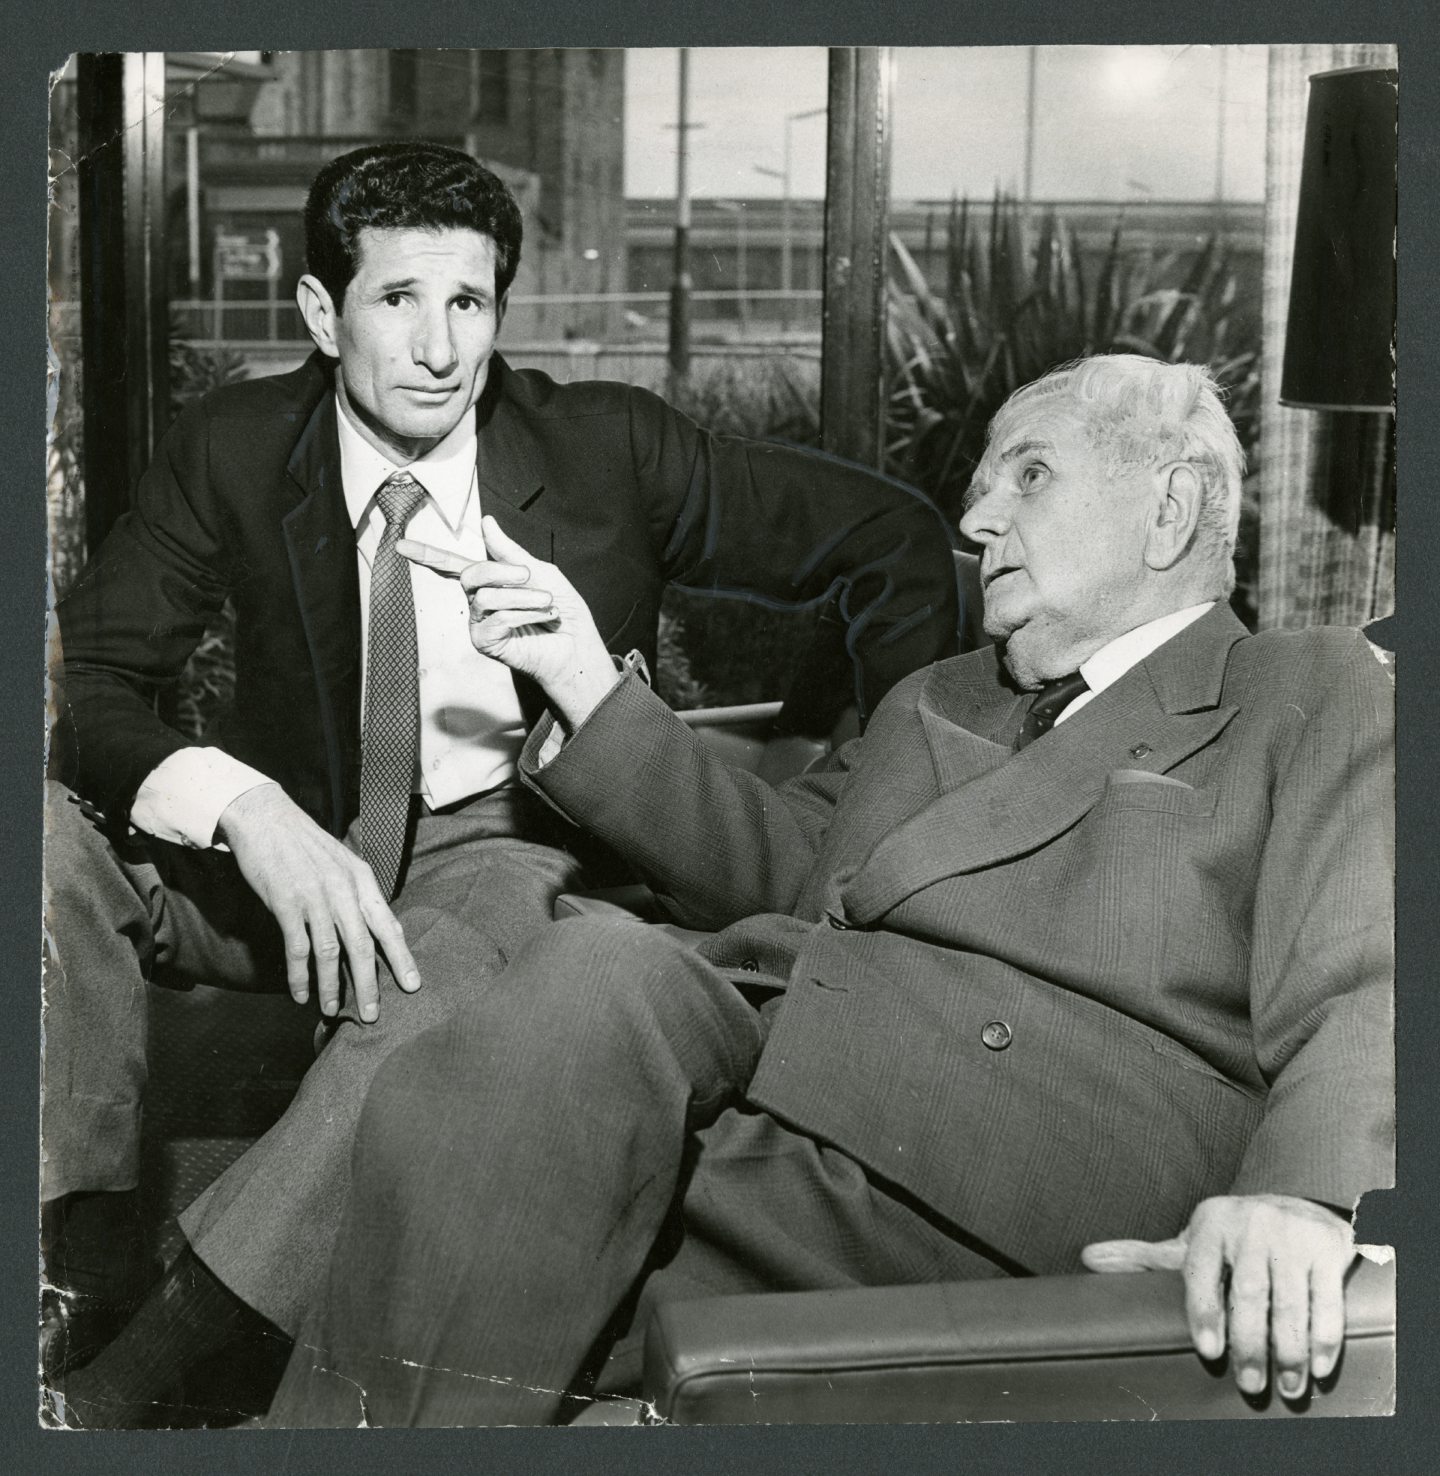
[39,41]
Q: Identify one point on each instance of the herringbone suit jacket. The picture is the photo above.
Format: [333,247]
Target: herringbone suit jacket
[1063,994]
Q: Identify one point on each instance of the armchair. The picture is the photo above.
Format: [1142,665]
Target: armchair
[1085,1346]
[1090,1347]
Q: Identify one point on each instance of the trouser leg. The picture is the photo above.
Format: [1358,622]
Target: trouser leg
[511,1172]
[116,918]
[99,941]
[471,896]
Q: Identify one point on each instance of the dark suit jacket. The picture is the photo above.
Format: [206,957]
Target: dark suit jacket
[625,494]
[1063,994]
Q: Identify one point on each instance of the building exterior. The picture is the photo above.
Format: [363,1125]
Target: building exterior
[550,122]
[245,135]
[737,244]
[244,139]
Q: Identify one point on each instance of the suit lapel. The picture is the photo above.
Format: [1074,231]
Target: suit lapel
[969,713]
[996,804]
[509,467]
[321,546]
[512,465]
[321,543]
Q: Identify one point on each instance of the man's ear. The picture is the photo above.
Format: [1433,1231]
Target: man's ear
[1176,510]
[319,313]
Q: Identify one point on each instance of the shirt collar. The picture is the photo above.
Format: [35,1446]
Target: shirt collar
[1112,661]
[446,471]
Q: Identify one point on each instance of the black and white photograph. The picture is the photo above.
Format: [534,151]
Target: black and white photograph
[719,743]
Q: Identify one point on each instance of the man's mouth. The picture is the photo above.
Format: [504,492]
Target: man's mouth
[999,572]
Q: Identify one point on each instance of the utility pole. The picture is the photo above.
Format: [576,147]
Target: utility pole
[787,280]
[1221,109]
[1027,188]
[784,245]
[681,283]
[737,209]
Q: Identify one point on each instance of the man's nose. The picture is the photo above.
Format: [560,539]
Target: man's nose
[434,344]
[986,518]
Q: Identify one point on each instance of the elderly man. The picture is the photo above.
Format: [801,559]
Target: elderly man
[362,706]
[1088,937]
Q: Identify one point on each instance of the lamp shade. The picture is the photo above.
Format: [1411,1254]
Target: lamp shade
[1341,327]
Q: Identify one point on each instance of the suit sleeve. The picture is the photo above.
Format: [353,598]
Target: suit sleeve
[1322,967]
[786,527]
[135,615]
[716,843]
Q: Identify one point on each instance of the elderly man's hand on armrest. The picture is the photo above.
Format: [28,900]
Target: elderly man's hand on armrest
[1263,1272]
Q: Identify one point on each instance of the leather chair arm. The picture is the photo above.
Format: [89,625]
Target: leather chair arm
[1041,1348]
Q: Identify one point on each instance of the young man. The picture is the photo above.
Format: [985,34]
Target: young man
[1088,937]
[358,811]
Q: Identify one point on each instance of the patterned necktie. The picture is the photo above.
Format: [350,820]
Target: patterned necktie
[392,691]
[1050,701]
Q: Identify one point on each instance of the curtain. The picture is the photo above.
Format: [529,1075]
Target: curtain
[1327,480]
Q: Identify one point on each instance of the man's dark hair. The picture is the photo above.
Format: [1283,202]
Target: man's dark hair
[405,186]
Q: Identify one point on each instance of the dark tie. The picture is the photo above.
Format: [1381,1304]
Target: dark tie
[1050,701]
[392,691]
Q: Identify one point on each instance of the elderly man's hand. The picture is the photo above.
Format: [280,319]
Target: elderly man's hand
[323,896]
[1263,1272]
[527,614]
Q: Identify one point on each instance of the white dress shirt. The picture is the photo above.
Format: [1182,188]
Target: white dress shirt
[471,724]
[1112,661]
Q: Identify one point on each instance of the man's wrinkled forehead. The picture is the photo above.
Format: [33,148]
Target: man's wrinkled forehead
[1029,428]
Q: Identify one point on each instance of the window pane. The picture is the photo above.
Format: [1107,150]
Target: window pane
[756,182]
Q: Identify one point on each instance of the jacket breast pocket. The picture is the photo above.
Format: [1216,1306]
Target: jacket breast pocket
[1134,789]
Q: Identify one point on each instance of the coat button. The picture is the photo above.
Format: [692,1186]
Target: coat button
[1141,750]
[838,922]
[996,1035]
[749,965]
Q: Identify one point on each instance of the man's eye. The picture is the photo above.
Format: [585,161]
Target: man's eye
[394,299]
[1034,473]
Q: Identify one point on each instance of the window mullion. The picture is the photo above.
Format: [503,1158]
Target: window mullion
[857,200]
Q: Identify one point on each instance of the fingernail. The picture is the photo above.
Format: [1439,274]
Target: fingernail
[1251,1379]
[329,1008]
[1322,1365]
[368,1013]
[412,980]
[1207,1344]
[1291,1384]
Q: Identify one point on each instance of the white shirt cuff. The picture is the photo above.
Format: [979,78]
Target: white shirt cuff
[554,740]
[184,796]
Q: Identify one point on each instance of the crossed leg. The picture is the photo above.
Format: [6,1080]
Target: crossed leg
[577,1127]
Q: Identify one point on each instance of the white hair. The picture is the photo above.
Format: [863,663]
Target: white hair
[1138,413]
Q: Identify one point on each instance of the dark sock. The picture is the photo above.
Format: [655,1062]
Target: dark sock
[95,1245]
[190,1316]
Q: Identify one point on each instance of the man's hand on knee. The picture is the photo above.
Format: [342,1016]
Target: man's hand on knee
[324,897]
[1264,1276]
